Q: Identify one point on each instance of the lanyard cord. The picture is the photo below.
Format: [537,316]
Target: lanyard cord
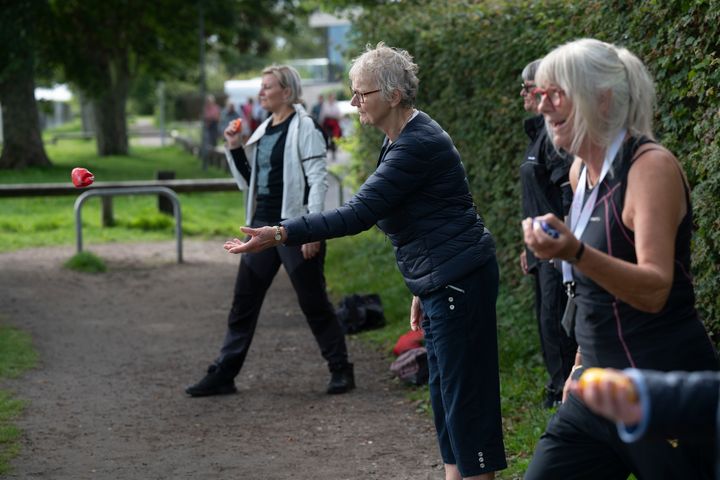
[579,213]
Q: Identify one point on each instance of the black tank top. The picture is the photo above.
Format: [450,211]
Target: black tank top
[610,332]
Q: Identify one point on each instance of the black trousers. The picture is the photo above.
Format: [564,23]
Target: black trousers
[460,325]
[581,445]
[255,275]
[557,348]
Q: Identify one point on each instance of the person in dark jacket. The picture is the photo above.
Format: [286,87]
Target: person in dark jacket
[546,189]
[420,197]
[627,250]
[664,405]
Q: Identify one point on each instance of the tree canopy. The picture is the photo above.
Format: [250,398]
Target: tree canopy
[103,47]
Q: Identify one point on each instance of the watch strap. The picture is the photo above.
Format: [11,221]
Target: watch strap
[578,255]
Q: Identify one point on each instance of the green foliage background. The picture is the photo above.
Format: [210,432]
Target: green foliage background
[471,56]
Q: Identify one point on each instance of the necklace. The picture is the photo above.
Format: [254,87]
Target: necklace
[412,114]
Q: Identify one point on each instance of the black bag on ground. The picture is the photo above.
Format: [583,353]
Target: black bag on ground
[360,312]
[412,366]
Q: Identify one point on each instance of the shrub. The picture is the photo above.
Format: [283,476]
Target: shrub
[86,262]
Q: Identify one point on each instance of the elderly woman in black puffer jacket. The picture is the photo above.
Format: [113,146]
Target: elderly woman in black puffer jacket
[420,198]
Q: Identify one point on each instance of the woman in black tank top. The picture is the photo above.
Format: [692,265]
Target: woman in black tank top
[626,256]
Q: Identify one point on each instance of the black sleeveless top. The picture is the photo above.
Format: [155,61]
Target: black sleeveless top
[610,332]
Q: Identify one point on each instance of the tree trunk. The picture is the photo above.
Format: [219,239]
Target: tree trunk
[22,146]
[86,115]
[110,115]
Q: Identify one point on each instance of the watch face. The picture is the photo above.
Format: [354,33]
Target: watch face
[278,237]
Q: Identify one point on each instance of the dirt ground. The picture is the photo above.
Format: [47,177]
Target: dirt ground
[117,349]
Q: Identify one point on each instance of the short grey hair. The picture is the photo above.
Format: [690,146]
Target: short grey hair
[528,73]
[288,77]
[392,69]
[610,89]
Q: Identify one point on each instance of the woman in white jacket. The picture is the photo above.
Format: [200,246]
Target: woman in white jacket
[283,167]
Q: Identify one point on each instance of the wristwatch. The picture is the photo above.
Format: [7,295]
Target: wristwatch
[278,233]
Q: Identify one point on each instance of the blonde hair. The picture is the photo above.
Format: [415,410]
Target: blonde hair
[287,77]
[392,69]
[610,89]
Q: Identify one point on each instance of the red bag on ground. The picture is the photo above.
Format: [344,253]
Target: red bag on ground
[412,366]
[408,341]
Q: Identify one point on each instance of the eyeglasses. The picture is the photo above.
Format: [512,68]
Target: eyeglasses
[555,95]
[361,95]
[525,88]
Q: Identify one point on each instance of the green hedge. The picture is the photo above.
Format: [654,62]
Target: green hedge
[470,59]
[680,42]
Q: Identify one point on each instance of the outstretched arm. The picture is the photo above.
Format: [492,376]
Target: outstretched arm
[400,173]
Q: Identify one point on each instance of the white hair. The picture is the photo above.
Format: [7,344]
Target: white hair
[528,73]
[392,69]
[610,89]
[287,77]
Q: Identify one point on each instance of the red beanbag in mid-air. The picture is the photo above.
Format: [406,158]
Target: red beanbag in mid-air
[82,177]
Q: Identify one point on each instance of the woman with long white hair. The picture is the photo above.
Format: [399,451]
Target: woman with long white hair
[626,259]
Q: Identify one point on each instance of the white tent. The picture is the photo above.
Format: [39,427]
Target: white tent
[58,93]
[238,91]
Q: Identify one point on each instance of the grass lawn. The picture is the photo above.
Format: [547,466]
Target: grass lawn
[361,264]
[38,221]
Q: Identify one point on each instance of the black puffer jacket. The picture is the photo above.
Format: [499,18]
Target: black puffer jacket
[419,197]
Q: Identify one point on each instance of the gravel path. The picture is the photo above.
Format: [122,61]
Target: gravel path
[117,349]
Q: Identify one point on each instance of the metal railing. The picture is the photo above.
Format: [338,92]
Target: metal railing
[109,192]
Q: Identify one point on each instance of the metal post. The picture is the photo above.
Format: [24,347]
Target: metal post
[339,181]
[108,219]
[161,113]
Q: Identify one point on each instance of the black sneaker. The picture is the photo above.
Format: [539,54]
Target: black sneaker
[342,380]
[216,382]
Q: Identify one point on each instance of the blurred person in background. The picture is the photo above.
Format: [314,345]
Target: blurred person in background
[259,114]
[211,121]
[330,121]
[317,108]
[546,189]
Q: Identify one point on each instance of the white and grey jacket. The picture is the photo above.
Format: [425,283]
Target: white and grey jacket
[303,163]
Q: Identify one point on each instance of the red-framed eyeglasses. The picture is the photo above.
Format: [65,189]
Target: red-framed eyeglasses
[555,95]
